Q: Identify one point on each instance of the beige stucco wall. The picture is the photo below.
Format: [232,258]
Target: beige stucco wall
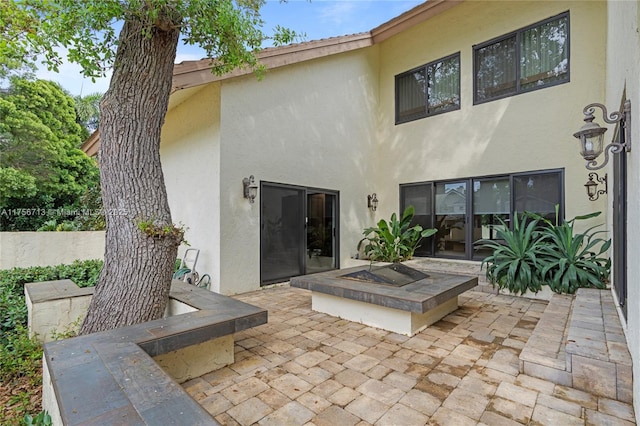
[25,249]
[527,132]
[190,154]
[623,71]
[329,123]
[310,124]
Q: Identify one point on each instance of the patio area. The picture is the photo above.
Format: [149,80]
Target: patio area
[304,367]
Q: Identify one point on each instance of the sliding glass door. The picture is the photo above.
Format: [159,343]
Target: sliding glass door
[420,197]
[451,218]
[321,232]
[298,231]
[491,208]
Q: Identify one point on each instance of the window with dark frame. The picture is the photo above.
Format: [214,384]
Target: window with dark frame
[428,90]
[528,59]
[480,210]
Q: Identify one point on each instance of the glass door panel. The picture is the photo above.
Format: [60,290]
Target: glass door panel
[321,232]
[451,216]
[420,197]
[282,237]
[538,193]
[491,204]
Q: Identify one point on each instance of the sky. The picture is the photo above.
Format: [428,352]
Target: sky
[316,18]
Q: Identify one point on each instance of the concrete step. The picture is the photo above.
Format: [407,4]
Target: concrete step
[579,342]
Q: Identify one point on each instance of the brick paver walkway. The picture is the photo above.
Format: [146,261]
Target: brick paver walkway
[308,368]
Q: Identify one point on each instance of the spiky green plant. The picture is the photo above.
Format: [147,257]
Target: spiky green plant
[515,264]
[572,260]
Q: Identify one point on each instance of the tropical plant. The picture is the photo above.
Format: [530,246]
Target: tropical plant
[515,263]
[394,241]
[572,260]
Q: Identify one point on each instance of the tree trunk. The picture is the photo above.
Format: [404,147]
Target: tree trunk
[141,241]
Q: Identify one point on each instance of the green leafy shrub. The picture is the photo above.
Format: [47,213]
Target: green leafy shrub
[13,311]
[42,419]
[394,241]
[573,260]
[20,356]
[539,252]
[514,264]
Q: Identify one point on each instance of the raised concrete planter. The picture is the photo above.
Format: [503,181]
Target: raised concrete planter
[544,294]
[55,307]
[130,375]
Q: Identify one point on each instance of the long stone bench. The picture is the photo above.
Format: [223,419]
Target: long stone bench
[127,376]
[579,342]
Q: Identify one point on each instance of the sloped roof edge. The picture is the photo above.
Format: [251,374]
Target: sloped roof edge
[90,146]
[418,14]
[193,73]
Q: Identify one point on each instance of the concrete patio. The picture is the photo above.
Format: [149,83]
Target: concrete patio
[305,367]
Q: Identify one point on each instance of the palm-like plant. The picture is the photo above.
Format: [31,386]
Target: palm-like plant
[394,241]
[515,264]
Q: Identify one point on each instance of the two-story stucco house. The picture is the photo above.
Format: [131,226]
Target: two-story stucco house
[464,109]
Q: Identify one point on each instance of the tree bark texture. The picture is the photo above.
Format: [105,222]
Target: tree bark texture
[134,284]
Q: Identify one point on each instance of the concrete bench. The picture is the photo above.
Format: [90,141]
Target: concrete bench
[128,375]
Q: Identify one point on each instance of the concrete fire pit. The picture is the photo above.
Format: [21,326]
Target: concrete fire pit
[392,297]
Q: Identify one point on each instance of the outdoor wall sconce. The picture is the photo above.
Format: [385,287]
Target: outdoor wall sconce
[591,134]
[592,186]
[250,189]
[372,202]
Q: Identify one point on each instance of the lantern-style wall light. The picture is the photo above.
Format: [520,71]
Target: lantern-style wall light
[592,186]
[250,189]
[591,135]
[372,202]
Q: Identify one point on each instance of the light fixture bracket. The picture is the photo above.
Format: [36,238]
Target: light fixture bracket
[249,188]
[372,202]
[592,186]
[590,129]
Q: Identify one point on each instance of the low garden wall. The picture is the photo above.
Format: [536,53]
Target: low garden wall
[130,373]
[25,249]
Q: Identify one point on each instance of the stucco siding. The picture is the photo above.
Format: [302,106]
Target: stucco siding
[190,153]
[623,69]
[312,124]
[526,132]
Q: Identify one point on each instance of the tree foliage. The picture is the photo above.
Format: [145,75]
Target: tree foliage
[229,31]
[134,283]
[88,112]
[41,165]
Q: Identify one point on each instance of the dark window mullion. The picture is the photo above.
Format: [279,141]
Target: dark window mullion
[518,58]
[426,91]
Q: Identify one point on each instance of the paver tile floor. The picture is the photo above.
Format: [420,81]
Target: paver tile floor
[309,368]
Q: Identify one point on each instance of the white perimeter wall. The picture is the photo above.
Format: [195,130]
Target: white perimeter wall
[623,70]
[25,249]
[190,154]
[310,124]
[531,131]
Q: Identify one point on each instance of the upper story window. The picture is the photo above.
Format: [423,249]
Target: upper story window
[528,59]
[430,89]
